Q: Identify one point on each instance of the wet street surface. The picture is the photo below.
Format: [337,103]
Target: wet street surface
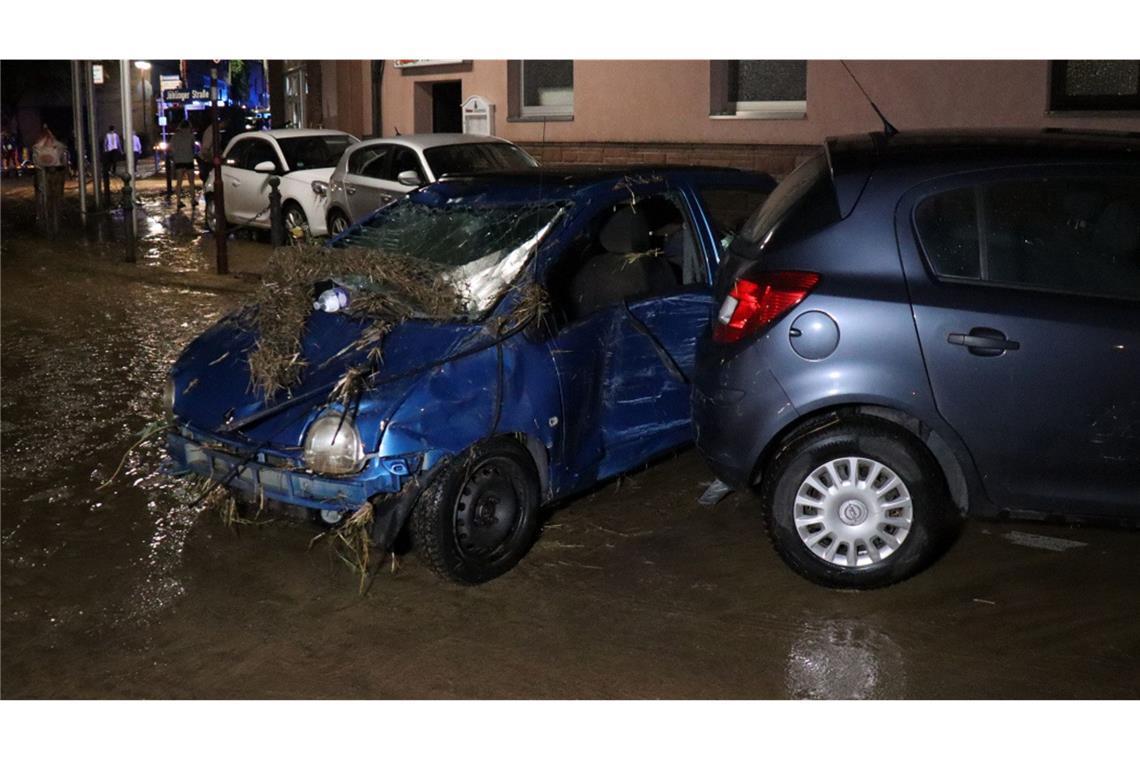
[635,590]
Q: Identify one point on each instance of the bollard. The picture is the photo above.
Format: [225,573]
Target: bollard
[169,170]
[130,221]
[107,185]
[276,223]
[127,201]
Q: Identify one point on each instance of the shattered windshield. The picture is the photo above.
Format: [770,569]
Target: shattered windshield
[476,251]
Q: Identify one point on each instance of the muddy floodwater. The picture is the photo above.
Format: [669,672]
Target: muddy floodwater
[635,590]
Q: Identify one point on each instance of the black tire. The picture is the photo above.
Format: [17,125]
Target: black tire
[934,518]
[479,516]
[338,223]
[211,216]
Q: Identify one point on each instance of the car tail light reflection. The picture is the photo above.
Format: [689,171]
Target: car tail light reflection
[754,303]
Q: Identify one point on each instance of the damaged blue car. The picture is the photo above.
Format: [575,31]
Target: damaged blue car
[483,347]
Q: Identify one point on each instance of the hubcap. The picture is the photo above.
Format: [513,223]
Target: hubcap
[338,225]
[487,512]
[853,512]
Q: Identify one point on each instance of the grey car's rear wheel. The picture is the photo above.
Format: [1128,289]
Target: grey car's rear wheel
[859,504]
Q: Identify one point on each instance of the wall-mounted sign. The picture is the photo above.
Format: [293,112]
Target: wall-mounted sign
[181,96]
[412,63]
[169,82]
[478,116]
[97,73]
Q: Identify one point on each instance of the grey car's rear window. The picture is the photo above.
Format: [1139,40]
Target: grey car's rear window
[1067,234]
[948,226]
[801,204]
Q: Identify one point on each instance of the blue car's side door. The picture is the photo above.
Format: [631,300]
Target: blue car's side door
[635,304]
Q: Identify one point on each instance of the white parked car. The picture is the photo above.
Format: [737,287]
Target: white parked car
[373,173]
[304,159]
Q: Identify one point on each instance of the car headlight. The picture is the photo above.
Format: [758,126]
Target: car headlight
[332,445]
[168,398]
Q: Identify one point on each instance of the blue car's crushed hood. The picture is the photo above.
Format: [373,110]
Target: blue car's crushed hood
[214,393]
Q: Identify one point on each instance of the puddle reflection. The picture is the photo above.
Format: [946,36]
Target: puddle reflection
[845,660]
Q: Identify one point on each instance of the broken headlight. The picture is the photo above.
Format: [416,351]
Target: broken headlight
[332,445]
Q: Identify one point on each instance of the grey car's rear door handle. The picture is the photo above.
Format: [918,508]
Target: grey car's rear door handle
[984,341]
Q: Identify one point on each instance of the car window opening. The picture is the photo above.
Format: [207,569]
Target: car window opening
[636,250]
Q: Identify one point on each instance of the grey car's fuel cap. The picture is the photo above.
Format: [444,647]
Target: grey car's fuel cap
[814,335]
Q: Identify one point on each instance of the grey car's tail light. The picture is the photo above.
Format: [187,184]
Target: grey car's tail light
[759,300]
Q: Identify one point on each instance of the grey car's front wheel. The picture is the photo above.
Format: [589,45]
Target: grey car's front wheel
[859,504]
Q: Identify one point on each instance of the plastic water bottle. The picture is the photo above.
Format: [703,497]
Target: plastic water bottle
[333,299]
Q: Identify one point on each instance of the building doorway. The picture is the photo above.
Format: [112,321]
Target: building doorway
[447,107]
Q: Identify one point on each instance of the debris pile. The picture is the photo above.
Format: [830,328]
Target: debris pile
[386,288]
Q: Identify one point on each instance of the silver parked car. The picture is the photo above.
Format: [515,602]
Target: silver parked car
[375,172]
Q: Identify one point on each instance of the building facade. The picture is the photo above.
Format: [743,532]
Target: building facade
[765,115]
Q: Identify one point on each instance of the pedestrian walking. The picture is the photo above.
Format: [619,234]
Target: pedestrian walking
[9,152]
[136,147]
[182,152]
[112,151]
[50,157]
[206,153]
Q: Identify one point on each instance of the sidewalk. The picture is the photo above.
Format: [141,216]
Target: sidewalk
[173,247]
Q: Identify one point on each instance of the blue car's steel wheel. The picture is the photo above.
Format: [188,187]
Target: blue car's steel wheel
[488,510]
[857,503]
[479,517]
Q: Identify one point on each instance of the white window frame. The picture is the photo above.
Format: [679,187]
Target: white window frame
[526,111]
[765,109]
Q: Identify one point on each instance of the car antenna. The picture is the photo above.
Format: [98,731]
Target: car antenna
[398,130]
[888,129]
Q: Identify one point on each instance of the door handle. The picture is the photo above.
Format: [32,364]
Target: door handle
[350,189]
[385,199]
[984,341]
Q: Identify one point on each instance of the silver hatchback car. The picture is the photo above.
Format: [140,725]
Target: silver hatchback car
[373,173]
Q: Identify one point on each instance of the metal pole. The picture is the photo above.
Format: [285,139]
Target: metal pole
[276,227]
[219,192]
[92,127]
[128,135]
[77,127]
[142,94]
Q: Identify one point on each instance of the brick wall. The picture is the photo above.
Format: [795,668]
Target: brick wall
[777,160]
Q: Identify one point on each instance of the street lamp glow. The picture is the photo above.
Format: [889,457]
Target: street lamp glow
[142,65]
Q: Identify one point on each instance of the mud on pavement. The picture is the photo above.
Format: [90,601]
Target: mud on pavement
[632,591]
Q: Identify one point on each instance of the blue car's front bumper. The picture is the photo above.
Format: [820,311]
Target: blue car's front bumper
[217,460]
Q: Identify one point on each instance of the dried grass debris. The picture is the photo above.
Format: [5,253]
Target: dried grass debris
[386,288]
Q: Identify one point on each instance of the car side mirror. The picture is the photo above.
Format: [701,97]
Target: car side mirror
[265,167]
[410,177]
